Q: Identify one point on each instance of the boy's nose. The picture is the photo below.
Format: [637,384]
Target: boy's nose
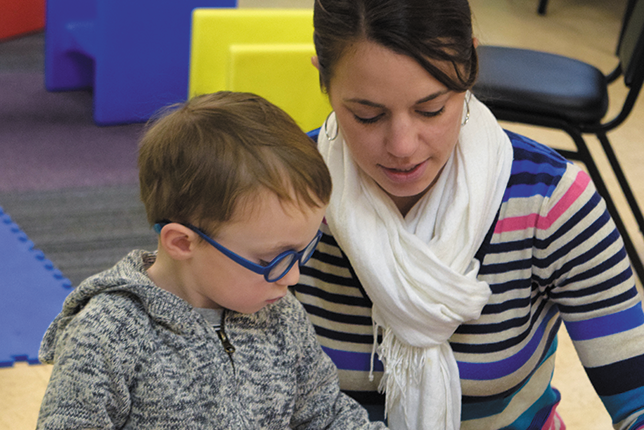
[291,278]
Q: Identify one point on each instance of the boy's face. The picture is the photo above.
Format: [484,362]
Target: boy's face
[259,235]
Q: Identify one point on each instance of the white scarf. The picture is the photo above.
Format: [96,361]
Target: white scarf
[420,271]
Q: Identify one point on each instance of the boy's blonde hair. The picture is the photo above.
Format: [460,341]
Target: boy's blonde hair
[207,156]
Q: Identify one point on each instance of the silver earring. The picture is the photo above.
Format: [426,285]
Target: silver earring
[468,96]
[326,131]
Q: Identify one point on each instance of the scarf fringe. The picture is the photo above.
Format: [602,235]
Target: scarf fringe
[403,365]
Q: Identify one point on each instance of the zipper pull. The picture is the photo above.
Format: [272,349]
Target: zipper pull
[228,347]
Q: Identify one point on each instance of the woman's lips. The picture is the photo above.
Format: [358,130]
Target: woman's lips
[405,174]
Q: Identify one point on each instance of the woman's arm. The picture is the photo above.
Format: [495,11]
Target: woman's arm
[595,292]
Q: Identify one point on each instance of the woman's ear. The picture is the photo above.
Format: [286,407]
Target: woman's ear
[475,41]
[178,241]
[316,62]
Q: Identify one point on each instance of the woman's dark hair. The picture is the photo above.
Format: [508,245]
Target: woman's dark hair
[425,30]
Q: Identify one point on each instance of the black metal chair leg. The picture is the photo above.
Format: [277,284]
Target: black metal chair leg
[621,178]
[583,155]
[630,5]
[543,4]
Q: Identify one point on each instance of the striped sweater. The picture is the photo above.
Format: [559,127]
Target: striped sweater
[552,255]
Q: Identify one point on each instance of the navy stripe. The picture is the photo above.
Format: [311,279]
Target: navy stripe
[558,294]
[506,266]
[599,269]
[621,298]
[497,308]
[331,278]
[513,390]
[365,339]
[330,297]
[329,259]
[617,377]
[495,328]
[510,246]
[512,284]
[338,317]
[576,219]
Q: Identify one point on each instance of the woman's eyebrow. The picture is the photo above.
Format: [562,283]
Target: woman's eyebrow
[364,102]
[432,96]
[378,105]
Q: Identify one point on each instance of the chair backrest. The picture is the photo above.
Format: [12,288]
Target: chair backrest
[631,47]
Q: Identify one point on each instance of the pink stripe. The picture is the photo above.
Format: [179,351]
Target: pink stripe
[534,220]
[554,421]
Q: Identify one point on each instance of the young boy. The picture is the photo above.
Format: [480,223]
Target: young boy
[204,334]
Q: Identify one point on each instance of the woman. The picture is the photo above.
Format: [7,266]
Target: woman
[452,248]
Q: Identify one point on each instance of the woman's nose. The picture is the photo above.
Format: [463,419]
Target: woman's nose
[402,139]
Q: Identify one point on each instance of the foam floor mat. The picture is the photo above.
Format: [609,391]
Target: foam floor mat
[32,291]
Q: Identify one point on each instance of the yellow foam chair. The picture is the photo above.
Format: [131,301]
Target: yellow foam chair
[283,74]
[264,51]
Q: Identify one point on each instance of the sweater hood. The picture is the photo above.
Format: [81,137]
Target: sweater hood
[129,277]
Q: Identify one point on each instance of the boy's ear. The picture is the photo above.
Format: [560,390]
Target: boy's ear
[178,241]
[315,61]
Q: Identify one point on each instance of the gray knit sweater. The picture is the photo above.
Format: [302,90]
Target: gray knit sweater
[129,355]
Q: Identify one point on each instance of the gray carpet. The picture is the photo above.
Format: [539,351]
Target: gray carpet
[70,185]
[83,230]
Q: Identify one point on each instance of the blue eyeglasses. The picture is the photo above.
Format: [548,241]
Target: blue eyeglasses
[273,271]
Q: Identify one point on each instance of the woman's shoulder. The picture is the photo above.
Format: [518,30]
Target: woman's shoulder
[538,170]
[530,154]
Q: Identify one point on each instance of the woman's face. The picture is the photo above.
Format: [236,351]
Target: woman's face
[400,123]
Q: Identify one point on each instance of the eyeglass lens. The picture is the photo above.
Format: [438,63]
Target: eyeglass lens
[282,267]
[285,264]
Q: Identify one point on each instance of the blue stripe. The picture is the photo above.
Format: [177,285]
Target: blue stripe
[345,360]
[499,369]
[536,415]
[527,149]
[536,170]
[620,406]
[527,190]
[531,171]
[472,410]
[606,325]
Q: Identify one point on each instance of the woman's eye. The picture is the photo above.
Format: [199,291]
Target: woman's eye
[370,120]
[264,263]
[431,114]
